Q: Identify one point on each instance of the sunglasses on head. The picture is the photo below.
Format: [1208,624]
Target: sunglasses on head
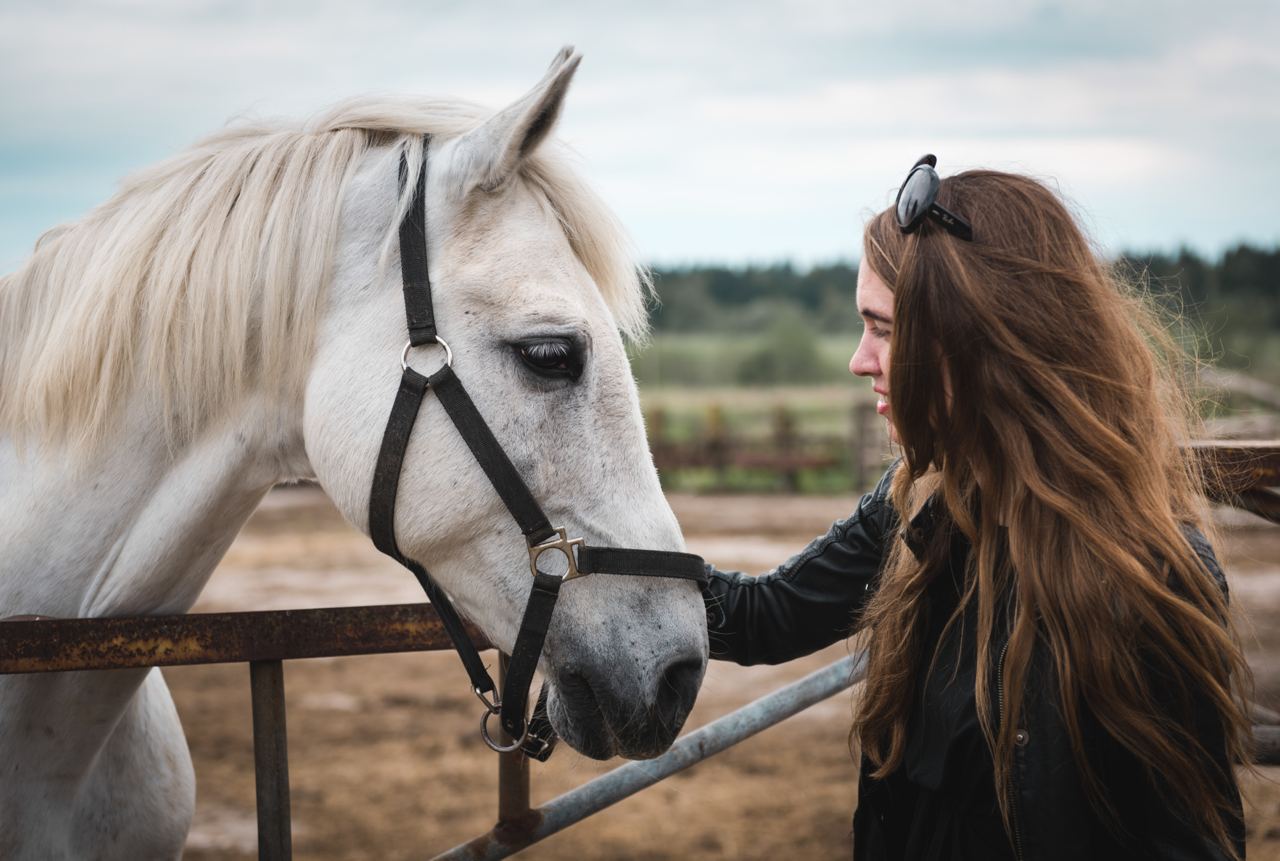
[918,200]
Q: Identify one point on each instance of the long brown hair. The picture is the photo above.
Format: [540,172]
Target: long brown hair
[1039,398]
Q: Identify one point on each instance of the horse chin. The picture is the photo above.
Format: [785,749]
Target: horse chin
[578,719]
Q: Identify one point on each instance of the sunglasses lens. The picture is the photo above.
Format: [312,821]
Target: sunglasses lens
[917,193]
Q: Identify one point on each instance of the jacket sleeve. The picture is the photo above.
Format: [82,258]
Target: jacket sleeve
[811,600]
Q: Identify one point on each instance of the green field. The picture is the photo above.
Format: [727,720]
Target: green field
[782,356]
[687,411]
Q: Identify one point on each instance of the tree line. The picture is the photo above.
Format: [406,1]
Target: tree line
[717,298]
[1231,303]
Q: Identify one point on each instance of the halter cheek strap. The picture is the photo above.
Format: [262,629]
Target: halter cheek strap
[534,736]
[413,258]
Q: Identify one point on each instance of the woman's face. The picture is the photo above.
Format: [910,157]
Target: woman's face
[871,359]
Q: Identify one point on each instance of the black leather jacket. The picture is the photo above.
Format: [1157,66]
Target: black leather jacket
[813,600]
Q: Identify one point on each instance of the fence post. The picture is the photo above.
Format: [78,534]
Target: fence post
[784,445]
[271,760]
[513,776]
[866,444]
[718,444]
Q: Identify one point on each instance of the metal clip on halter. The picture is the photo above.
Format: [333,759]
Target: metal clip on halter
[493,706]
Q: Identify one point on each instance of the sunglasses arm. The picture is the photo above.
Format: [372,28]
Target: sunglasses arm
[954,224]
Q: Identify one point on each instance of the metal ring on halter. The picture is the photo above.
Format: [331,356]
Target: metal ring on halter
[404,354]
[493,745]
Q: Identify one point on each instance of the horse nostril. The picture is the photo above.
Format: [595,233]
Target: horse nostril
[677,689]
[577,693]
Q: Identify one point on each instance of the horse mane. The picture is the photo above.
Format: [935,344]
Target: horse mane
[203,276]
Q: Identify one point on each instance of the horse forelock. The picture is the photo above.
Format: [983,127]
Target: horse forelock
[203,277]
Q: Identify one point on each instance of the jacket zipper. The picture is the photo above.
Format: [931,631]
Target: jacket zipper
[1013,795]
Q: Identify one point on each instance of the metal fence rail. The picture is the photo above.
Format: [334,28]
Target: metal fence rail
[42,645]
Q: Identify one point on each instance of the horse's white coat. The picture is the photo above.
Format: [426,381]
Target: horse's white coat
[94,765]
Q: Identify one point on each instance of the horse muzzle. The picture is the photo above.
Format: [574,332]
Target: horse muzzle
[601,713]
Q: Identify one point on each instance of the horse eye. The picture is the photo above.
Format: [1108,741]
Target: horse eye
[552,357]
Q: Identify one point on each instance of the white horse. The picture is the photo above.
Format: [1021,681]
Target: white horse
[233,319]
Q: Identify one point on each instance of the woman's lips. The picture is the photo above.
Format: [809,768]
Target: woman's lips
[882,407]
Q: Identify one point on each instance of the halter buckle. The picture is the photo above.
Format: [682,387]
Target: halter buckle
[537,747]
[563,543]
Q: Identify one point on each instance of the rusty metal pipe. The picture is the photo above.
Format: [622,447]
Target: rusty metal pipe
[54,645]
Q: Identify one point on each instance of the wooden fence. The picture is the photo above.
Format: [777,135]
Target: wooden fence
[785,452]
[1238,472]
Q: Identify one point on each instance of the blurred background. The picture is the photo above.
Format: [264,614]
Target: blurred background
[743,144]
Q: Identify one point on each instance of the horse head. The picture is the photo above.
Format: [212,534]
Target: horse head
[533,291]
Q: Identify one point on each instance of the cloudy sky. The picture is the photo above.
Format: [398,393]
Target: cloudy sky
[731,132]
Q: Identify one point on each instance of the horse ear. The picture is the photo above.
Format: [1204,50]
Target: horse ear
[490,154]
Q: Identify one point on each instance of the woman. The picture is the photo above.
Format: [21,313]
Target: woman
[1052,673]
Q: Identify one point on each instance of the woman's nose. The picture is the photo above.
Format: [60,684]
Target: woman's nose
[863,363]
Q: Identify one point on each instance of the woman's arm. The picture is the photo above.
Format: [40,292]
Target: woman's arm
[808,602]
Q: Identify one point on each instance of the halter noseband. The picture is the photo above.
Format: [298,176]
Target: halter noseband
[533,736]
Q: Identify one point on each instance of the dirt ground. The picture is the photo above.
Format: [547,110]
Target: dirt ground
[385,758]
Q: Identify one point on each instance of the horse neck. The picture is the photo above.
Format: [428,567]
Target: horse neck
[136,531]
[140,529]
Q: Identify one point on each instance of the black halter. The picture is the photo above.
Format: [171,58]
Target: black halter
[534,736]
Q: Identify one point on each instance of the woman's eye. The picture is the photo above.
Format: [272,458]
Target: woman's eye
[875,331]
[552,357]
